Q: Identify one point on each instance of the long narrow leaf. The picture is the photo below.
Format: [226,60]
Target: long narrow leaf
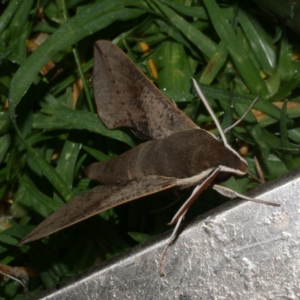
[87,21]
[237,53]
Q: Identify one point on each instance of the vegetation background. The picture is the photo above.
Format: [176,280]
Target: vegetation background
[49,131]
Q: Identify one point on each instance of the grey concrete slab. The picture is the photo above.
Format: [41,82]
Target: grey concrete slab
[241,250]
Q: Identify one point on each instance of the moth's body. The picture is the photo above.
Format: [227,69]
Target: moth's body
[181,155]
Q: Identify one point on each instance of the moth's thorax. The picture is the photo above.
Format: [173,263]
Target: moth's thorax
[181,155]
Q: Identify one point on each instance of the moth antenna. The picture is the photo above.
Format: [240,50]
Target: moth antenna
[233,194]
[211,112]
[170,241]
[242,117]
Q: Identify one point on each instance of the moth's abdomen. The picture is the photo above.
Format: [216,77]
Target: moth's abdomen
[113,171]
[182,155]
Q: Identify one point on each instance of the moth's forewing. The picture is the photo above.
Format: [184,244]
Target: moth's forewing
[96,200]
[125,97]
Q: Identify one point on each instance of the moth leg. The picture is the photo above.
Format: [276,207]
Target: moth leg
[179,216]
[233,194]
[196,192]
[170,242]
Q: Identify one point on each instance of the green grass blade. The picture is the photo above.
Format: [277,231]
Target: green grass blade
[87,21]
[241,60]
[284,138]
[5,142]
[75,119]
[67,161]
[215,64]
[39,202]
[285,65]
[205,45]
[9,13]
[175,72]
[260,42]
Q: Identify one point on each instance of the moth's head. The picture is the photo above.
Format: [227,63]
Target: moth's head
[235,165]
[210,153]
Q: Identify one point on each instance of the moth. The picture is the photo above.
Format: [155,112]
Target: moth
[178,153]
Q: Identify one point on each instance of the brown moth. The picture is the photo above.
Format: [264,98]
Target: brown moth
[159,164]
